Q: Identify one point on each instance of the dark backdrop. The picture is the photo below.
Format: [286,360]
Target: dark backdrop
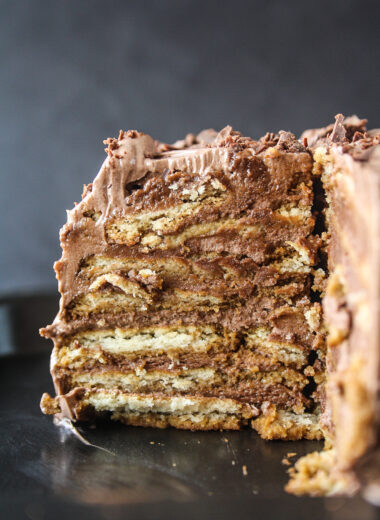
[74,72]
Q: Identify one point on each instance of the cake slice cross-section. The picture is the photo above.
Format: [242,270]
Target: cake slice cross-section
[189,283]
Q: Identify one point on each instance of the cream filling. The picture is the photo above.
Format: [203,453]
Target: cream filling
[299,261]
[157,340]
[172,341]
[284,352]
[136,382]
[108,400]
[167,220]
[124,232]
[119,302]
[74,357]
[183,379]
[156,230]
[129,287]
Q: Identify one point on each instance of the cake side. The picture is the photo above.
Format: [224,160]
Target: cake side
[349,163]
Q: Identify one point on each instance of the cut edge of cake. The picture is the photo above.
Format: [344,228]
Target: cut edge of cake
[212,232]
[348,159]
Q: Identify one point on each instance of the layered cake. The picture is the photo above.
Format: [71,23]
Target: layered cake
[187,288]
[192,277]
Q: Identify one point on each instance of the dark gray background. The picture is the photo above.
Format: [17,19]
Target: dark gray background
[74,72]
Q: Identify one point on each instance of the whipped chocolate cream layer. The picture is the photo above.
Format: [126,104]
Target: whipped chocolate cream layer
[214,358]
[248,393]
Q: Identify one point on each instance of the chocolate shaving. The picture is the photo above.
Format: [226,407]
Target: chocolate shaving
[338,135]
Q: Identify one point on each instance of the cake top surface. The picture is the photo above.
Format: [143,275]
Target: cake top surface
[210,139]
[347,135]
[133,154]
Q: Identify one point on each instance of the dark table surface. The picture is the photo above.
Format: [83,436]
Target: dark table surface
[46,472]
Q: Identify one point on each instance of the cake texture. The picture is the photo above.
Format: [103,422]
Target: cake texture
[347,158]
[223,282]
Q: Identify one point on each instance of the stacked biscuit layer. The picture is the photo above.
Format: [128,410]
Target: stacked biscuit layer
[187,288]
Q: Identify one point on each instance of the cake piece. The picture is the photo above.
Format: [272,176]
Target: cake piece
[190,283]
[347,158]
